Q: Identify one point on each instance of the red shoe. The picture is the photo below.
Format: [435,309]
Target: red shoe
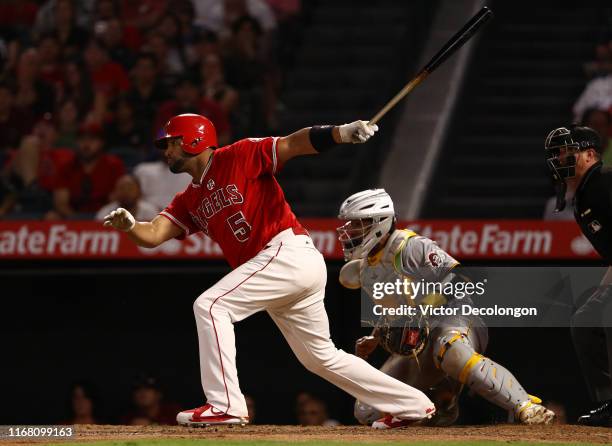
[391,422]
[207,415]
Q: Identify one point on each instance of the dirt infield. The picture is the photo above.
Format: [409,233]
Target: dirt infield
[505,433]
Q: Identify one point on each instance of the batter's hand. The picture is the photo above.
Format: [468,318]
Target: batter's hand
[357,132]
[365,345]
[120,219]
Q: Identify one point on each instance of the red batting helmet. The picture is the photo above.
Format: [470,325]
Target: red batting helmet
[198,133]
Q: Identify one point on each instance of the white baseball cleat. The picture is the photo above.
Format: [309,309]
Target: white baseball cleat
[391,422]
[534,413]
[207,415]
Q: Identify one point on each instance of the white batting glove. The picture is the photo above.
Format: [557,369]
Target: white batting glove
[357,132]
[120,219]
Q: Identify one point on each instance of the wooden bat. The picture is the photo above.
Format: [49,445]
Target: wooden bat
[454,43]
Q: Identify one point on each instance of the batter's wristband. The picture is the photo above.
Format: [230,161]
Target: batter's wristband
[321,137]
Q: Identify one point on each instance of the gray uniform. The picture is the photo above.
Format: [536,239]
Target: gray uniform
[455,343]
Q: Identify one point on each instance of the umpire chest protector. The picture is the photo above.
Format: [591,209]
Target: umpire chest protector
[593,209]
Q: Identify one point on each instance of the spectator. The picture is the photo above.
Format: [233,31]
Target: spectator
[219,15]
[597,94]
[32,95]
[127,195]
[110,34]
[46,17]
[107,10]
[77,86]
[251,71]
[59,17]
[85,184]
[149,405]
[204,44]
[49,56]
[107,77]
[170,65]
[602,65]
[147,92]
[600,121]
[313,412]
[83,405]
[67,124]
[13,123]
[188,100]
[125,131]
[214,86]
[244,60]
[32,171]
[143,14]
[158,184]
[169,28]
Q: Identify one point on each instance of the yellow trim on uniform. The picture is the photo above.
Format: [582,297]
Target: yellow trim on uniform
[469,365]
[524,406]
[397,257]
[535,399]
[446,345]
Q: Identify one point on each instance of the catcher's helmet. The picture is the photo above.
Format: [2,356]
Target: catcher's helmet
[370,217]
[561,146]
[198,133]
[560,149]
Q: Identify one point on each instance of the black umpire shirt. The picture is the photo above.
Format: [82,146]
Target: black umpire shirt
[593,209]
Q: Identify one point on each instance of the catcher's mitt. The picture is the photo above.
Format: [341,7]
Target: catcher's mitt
[405,336]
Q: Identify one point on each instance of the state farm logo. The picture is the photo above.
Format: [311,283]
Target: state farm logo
[489,240]
[58,240]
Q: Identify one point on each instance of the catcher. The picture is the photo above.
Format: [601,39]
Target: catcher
[436,354]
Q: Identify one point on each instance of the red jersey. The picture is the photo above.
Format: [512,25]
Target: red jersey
[238,203]
[90,191]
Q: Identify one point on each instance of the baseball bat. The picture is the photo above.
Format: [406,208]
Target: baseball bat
[453,44]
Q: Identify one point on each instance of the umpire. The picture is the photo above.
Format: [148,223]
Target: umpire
[573,156]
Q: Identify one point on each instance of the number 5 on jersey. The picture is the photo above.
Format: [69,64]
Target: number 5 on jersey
[239,226]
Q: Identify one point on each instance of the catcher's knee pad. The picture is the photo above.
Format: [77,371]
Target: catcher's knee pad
[495,383]
[366,414]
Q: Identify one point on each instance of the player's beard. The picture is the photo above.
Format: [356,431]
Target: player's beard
[177,166]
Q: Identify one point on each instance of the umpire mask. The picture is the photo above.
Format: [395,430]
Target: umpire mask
[561,148]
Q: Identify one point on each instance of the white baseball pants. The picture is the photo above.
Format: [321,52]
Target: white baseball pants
[287,279]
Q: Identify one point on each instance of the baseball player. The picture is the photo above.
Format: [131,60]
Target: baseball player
[438,355]
[235,199]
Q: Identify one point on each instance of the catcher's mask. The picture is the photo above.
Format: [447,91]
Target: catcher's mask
[561,150]
[406,337]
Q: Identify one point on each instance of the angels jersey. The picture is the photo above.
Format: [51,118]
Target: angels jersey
[238,203]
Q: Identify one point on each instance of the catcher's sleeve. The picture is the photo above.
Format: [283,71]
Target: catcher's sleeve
[422,257]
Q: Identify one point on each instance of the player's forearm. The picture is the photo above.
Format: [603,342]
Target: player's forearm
[299,143]
[145,235]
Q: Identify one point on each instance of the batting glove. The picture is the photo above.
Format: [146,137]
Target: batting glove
[120,219]
[357,132]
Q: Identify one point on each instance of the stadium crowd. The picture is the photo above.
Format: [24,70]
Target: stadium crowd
[85,87]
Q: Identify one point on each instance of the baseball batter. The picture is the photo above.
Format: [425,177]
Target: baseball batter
[235,199]
[435,354]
